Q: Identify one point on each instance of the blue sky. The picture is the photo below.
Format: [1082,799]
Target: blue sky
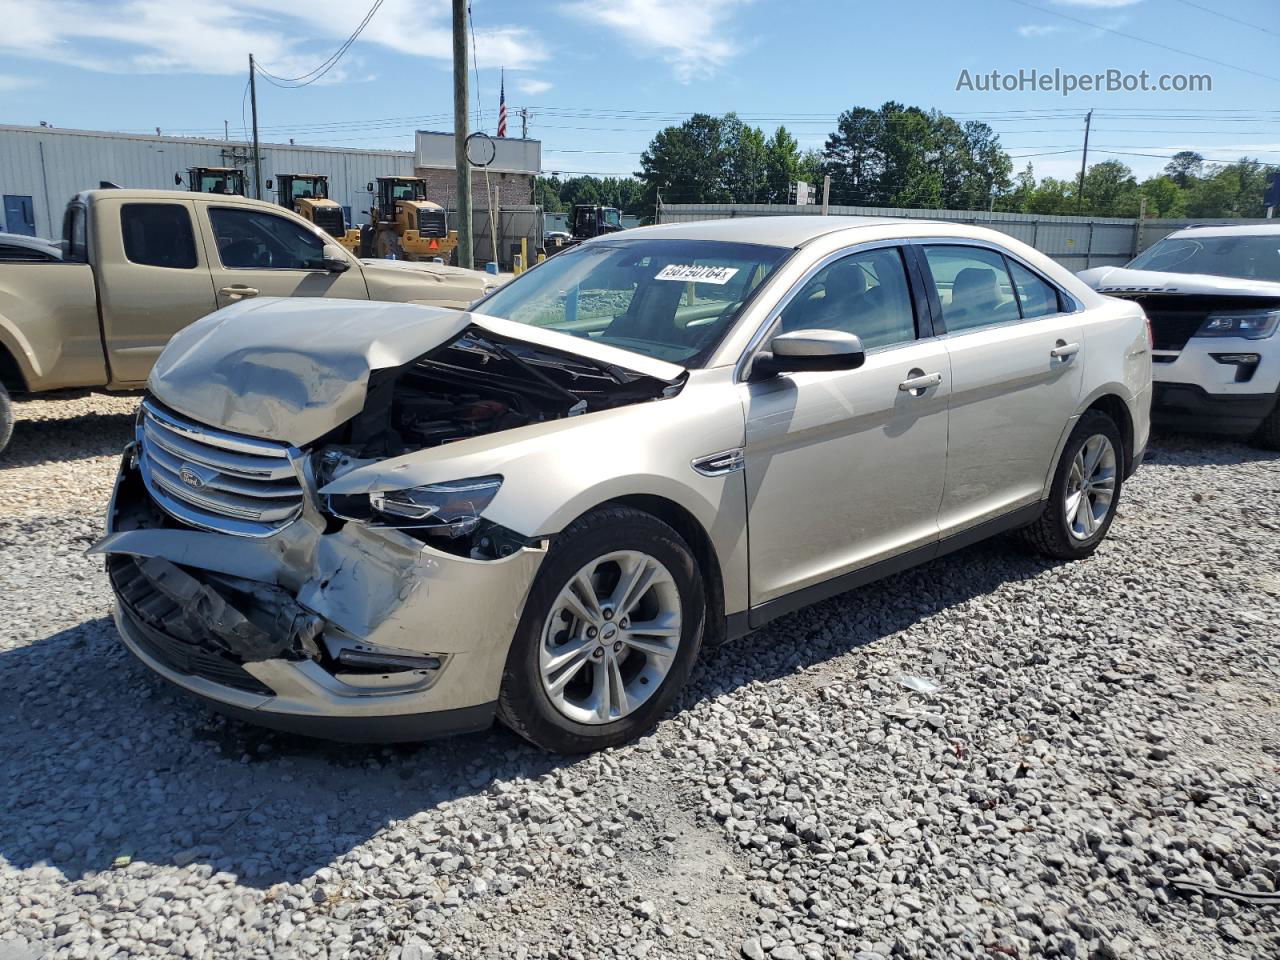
[599,77]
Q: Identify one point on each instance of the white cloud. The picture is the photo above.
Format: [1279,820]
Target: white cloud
[532,87]
[196,36]
[1038,29]
[693,37]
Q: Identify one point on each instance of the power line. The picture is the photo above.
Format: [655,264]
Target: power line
[1227,16]
[292,83]
[475,62]
[1150,43]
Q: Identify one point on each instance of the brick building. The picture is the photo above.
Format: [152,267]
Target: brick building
[516,164]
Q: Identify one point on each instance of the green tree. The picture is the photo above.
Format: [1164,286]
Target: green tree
[1110,190]
[784,165]
[1164,198]
[746,161]
[1183,167]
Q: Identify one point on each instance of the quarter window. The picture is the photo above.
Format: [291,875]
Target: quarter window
[973,286]
[250,239]
[1035,297]
[158,235]
[865,294]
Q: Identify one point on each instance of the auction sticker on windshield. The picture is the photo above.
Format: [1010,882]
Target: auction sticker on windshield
[693,274]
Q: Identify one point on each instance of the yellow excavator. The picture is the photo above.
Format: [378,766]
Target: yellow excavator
[228,180]
[307,195]
[405,225]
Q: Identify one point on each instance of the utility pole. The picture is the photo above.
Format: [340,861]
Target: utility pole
[826,194]
[226,129]
[466,254]
[1084,159]
[257,157]
[657,205]
[524,123]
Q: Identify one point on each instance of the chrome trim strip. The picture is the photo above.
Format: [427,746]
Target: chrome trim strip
[720,464]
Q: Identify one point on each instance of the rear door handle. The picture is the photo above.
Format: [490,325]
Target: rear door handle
[922,382]
[238,291]
[1064,351]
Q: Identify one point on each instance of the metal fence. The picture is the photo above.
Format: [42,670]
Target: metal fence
[1077,243]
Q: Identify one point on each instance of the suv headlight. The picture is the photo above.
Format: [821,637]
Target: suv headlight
[453,507]
[1249,324]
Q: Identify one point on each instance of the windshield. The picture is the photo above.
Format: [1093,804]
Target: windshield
[228,183]
[1248,257]
[308,188]
[612,217]
[409,191]
[673,300]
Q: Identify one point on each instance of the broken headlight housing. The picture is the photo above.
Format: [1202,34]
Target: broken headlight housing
[1249,324]
[450,509]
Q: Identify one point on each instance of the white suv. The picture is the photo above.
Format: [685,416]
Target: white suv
[1212,297]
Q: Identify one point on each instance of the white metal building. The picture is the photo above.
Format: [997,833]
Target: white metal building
[41,168]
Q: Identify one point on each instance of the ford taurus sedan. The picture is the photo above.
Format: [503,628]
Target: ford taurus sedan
[384,521]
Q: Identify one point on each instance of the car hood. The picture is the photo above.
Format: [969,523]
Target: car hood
[440,271]
[1121,281]
[292,369]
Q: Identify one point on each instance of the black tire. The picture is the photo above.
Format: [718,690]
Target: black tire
[6,418]
[523,703]
[366,241]
[1267,436]
[1050,534]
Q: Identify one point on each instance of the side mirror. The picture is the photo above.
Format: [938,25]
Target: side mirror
[334,260]
[369,186]
[270,185]
[803,350]
[177,179]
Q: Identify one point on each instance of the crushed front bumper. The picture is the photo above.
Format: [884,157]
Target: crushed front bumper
[356,633]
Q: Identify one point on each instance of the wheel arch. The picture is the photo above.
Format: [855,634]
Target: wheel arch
[1113,405]
[699,540]
[12,377]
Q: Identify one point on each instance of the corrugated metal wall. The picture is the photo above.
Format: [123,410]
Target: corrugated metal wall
[52,165]
[1075,242]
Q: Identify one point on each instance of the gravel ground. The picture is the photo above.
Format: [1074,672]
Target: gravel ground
[1097,731]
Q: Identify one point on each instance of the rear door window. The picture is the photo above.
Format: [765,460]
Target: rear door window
[158,235]
[1036,297]
[973,285]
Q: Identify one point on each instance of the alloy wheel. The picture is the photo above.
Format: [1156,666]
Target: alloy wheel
[611,637]
[1091,487]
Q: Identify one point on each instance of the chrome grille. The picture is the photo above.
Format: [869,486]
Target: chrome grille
[214,480]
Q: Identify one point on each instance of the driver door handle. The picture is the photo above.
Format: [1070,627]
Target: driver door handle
[921,382]
[238,291]
[1064,350]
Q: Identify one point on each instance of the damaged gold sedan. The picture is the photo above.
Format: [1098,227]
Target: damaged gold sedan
[385,522]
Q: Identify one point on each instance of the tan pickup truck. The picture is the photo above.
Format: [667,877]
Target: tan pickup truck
[137,266]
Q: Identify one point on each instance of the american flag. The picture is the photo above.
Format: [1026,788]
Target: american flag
[502,105]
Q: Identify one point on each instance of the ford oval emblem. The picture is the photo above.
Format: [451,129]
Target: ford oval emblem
[188,476]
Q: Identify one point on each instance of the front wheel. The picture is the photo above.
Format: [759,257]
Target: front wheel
[608,636]
[1085,492]
[6,418]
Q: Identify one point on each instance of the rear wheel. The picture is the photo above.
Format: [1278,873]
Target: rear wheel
[6,418]
[1085,493]
[608,636]
[1267,436]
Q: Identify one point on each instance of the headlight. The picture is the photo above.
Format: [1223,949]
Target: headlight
[453,507]
[1249,324]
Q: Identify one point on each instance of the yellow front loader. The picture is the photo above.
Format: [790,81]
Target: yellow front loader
[307,195]
[405,225]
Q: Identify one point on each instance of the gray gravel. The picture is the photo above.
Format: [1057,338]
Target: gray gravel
[1097,731]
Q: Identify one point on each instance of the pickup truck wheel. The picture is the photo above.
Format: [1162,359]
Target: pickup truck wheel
[608,635]
[1085,492]
[1267,436]
[6,418]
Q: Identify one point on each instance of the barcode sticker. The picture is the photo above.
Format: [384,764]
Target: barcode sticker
[692,274]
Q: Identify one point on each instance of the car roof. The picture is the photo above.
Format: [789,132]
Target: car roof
[1229,230]
[138,193]
[34,243]
[785,231]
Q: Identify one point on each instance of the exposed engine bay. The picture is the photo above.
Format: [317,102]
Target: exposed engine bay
[473,386]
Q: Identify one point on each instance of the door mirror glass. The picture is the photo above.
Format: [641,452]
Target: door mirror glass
[803,350]
[334,260]
[270,184]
